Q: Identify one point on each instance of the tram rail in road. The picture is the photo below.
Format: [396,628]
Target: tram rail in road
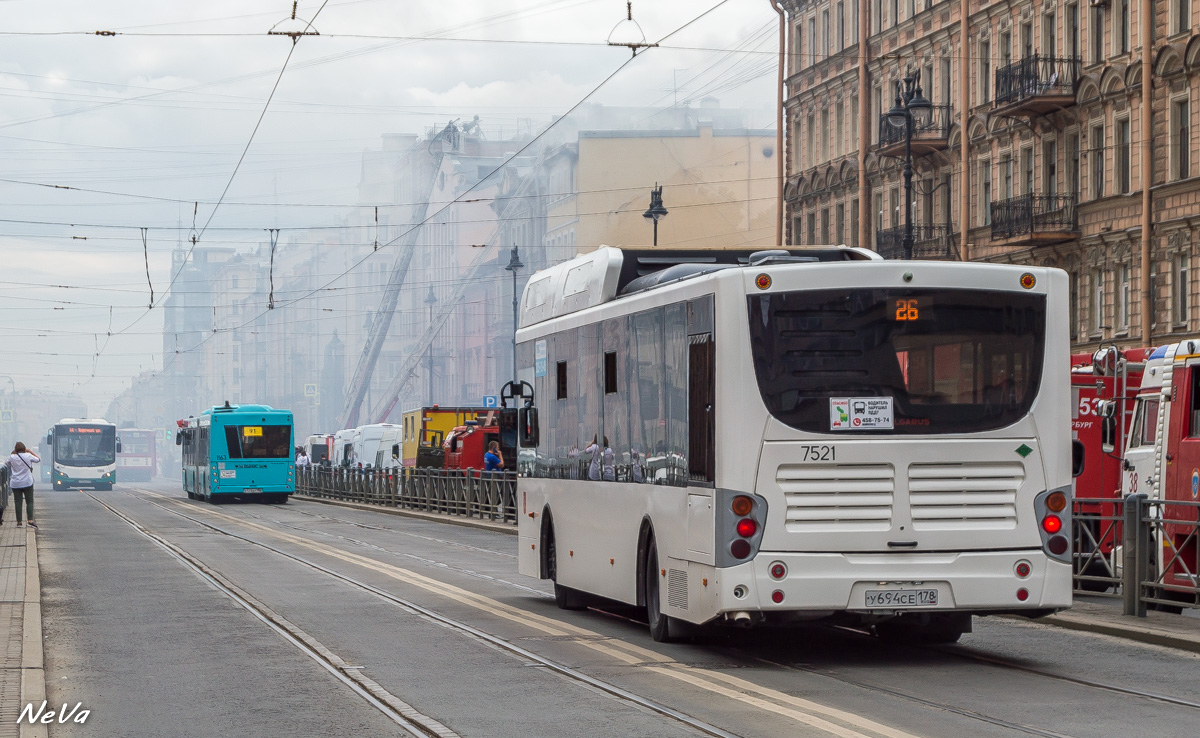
[843,723]
[821,717]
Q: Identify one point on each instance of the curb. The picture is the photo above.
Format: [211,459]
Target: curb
[33,672]
[419,515]
[1138,633]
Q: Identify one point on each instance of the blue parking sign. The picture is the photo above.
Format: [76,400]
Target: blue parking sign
[491,401]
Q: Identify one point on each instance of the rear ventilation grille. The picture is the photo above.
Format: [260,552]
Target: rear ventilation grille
[967,496]
[836,498]
[677,594]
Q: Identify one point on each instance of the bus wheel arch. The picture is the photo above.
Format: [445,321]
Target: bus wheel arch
[566,598]
[645,535]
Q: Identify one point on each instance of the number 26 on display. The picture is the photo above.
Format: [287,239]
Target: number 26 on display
[907,310]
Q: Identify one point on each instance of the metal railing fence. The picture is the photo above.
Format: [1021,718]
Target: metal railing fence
[1161,554]
[1036,75]
[467,493]
[1096,544]
[1030,214]
[929,242]
[936,127]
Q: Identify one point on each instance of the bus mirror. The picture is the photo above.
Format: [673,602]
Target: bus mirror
[179,438]
[1077,457]
[527,424]
[49,439]
[118,445]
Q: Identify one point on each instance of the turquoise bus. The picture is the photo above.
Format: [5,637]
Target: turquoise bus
[238,452]
[83,453]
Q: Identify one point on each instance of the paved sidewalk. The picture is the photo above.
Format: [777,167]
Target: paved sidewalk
[22,677]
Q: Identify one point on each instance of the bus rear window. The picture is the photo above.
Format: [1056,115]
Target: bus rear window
[951,361]
[259,441]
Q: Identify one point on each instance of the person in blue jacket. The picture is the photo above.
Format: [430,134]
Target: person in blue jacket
[493,460]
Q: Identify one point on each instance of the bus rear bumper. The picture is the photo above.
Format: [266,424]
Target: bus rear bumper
[891,583]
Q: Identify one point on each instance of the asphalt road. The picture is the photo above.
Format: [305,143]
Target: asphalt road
[168,617]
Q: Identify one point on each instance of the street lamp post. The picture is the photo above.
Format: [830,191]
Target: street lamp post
[656,212]
[910,108]
[514,264]
[430,300]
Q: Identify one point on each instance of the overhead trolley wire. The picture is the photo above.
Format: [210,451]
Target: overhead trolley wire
[472,188]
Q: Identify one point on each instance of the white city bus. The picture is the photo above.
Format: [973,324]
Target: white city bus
[797,435]
[83,453]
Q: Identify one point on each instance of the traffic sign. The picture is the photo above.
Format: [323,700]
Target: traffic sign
[491,401]
[310,390]
[6,416]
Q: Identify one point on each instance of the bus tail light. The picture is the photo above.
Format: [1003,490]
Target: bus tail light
[1052,509]
[778,570]
[741,518]
[777,596]
[1022,594]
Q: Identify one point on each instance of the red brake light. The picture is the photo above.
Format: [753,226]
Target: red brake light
[1023,569]
[740,548]
[778,570]
[746,527]
[1052,524]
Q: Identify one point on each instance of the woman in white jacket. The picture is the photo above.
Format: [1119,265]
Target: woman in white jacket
[20,471]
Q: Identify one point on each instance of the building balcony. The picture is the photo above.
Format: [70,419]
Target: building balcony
[1036,85]
[931,135]
[1035,220]
[929,242]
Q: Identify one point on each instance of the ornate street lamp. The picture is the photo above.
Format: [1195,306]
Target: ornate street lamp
[656,212]
[514,265]
[910,110]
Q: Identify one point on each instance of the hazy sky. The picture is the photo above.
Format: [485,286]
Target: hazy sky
[148,121]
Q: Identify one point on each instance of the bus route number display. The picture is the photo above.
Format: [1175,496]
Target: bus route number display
[252,430]
[906,309]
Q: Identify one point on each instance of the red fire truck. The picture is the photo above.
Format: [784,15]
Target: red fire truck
[1104,386]
[1162,460]
[465,446]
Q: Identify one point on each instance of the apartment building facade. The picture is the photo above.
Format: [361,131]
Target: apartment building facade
[1040,148]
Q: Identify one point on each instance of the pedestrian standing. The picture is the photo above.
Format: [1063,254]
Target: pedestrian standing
[302,457]
[493,460]
[595,451]
[20,470]
[4,485]
[608,463]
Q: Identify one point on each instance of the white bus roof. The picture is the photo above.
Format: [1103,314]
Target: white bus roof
[602,275]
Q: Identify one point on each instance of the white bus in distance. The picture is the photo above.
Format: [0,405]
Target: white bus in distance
[810,434]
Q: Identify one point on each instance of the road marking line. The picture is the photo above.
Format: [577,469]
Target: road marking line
[746,692]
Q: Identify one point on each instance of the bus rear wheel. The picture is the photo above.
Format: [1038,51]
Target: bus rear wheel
[565,597]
